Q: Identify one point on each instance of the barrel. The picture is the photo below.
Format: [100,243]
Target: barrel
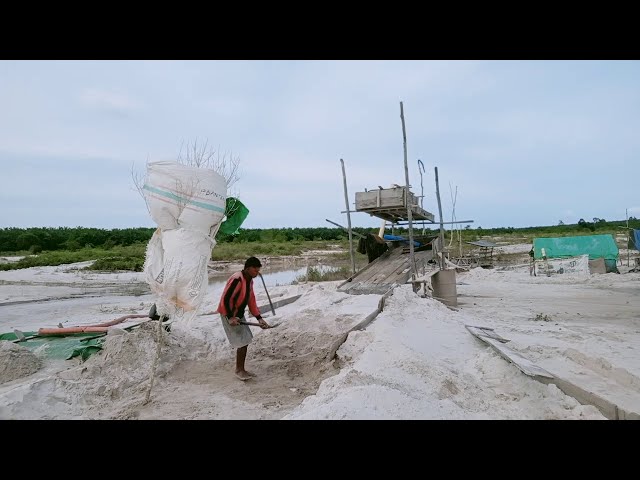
[444,287]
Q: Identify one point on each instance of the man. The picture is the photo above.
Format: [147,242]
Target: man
[238,295]
[532,263]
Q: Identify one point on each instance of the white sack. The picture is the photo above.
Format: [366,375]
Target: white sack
[188,204]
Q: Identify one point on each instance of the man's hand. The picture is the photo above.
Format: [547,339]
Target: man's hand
[263,324]
[233,321]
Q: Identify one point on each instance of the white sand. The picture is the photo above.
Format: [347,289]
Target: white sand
[416,360]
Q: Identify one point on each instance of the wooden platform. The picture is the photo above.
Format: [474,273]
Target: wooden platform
[390,204]
[385,272]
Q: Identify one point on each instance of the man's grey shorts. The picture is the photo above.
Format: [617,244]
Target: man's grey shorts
[239,335]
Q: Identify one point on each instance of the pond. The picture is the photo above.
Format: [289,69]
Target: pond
[282,273]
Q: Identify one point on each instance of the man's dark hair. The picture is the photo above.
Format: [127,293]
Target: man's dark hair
[252,262]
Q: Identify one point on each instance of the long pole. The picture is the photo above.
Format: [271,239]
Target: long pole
[406,197]
[346,204]
[273,311]
[441,223]
[421,170]
[338,225]
[626,213]
[444,223]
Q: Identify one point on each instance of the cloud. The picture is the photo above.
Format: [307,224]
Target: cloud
[110,101]
[526,143]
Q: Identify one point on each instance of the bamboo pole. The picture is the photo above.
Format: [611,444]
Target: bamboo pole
[441,223]
[421,171]
[444,223]
[338,225]
[626,212]
[409,212]
[346,203]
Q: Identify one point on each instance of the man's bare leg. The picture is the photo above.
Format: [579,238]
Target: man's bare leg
[241,355]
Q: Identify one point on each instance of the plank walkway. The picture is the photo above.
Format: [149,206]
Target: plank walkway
[385,272]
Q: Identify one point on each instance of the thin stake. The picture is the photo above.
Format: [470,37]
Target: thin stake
[155,361]
[346,201]
[441,222]
[267,292]
[626,213]
[406,197]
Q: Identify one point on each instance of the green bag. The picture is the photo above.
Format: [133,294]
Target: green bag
[236,213]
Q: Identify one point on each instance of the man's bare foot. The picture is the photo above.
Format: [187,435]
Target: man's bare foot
[251,374]
[243,375]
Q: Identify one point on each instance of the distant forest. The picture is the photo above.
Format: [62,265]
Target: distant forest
[35,240]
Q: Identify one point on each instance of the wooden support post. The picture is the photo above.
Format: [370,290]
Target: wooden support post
[409,212]
[346,202]
[441,238]
[626,213]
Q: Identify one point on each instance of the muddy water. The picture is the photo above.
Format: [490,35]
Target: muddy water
[283,273]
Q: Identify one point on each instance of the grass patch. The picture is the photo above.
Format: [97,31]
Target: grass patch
[316,275]
[134,253]
[111,264]
[244,250]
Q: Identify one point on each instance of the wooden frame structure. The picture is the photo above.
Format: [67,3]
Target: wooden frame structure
[391,204]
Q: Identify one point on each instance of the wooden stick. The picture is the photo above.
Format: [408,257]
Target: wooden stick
[338,225]
[267,292]
[346,201]
[406,193]
[441,222]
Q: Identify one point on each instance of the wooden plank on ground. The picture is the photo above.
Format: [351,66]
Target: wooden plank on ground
[362,270]
[385,272]
[368,289]
[371,270]
[486,332]
[402,273]
[278,304]
[525,365]
[381,266]
[383,275]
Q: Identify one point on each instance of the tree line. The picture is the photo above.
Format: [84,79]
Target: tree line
[40,239]
[35,240]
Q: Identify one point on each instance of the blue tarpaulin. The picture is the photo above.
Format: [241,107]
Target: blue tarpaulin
[402,239]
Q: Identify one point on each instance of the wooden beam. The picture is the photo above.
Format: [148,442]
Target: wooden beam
[525,365]
[346,230]
[346,201]
[406,193]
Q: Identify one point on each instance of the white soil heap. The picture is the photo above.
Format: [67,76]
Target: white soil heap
[415,360]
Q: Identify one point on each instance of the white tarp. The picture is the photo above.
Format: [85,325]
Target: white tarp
[573,265]
[188,204]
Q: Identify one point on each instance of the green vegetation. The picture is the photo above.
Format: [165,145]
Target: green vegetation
[243,250]
[315,275]
[124,249]
[125,258]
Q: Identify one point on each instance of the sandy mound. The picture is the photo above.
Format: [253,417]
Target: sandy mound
[16,362]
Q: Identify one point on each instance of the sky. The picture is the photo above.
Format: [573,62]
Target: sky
[516,143]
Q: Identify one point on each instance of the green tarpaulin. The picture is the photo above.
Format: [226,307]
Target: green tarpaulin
[596,246]
[61,347]
[236,213]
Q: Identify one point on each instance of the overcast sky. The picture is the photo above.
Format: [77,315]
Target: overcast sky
[526,143]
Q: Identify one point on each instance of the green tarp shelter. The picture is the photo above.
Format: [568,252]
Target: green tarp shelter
[596,246]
